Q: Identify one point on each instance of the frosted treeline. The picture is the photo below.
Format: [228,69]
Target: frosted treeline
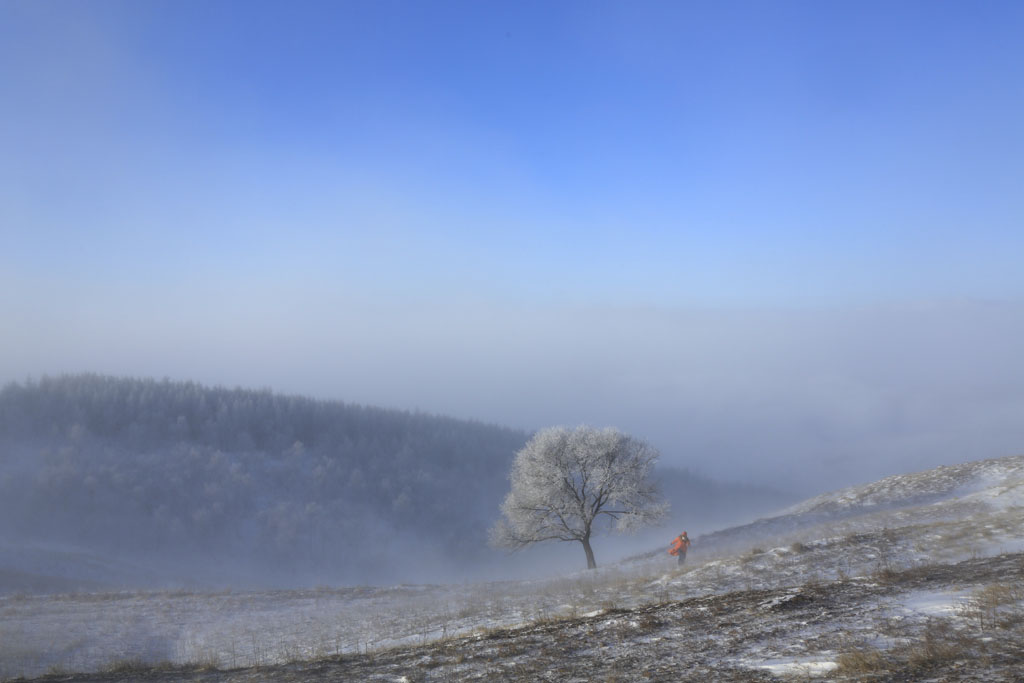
[298,486]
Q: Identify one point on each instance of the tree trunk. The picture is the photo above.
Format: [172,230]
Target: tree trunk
[591,564]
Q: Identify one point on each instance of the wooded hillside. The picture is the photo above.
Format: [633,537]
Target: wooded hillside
[308,487]
[260,486]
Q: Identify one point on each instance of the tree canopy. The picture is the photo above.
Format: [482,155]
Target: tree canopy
[564,480]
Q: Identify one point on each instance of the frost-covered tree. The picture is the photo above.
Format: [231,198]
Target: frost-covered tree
[563,480]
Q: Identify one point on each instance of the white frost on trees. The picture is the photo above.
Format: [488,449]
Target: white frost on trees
[564,479]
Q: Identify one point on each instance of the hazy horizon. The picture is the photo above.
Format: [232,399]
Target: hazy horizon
[780,242]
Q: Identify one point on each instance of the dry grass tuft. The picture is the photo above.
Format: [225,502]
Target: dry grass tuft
[940,643]
[861,660]
[649,622]
[127,666]
[997,605]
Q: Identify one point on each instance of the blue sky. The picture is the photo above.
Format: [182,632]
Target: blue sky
[334,197]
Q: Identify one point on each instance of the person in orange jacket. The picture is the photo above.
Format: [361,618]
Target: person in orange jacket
[680,544]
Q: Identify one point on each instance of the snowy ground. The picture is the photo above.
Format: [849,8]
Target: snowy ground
[846,582]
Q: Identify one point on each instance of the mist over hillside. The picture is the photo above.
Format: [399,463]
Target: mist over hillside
[106,480]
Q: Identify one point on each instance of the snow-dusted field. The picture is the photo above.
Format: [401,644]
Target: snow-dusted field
[877,545]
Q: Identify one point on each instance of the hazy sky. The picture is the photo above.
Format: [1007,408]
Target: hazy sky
[781,240]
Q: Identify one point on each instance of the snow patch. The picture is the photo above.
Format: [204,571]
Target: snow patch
[935,603]
[797,667]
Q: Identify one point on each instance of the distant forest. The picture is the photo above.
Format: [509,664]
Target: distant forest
[284,486]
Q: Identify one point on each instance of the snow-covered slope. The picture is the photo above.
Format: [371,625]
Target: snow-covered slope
[842,584]
[905,490]
[985,487]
